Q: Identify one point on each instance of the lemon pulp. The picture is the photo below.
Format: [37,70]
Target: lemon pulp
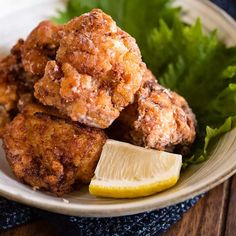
[128,171]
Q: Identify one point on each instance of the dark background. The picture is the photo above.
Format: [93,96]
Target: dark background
[228,5]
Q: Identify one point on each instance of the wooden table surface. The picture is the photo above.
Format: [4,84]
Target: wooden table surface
[213,215]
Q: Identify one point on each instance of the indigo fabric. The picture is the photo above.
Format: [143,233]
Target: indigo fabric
[145,224]
[227,5]
[13,214]
[148,223]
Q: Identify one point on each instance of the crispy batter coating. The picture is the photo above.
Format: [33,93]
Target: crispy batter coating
[4,120]
[8,95]
[24,100]
[97,71]
[40,47]
[12,84]
[11,73]
[51,153]
[159,119]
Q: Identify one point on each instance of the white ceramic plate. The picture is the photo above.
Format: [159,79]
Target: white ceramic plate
[16,22]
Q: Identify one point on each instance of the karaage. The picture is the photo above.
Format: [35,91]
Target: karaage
[12,83]
[40,47]
[97,71]
[4,120]
[48,152]
[159,119]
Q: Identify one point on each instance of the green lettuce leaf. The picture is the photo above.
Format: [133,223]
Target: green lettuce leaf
[195,64]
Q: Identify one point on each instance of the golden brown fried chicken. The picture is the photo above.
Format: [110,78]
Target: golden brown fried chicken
[4,120]
[159,119]
[12,83]
[51,153]
[24,100]
[97,71]
[8,95]
[10,74]
[16,88]
[40,47]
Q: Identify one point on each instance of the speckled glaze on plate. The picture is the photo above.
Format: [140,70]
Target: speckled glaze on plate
[17,19]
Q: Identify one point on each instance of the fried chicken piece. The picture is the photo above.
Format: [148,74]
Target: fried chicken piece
[11,84]
[97,71]
[40,47]
[47,152]
[24,100]
[158,119]
[8,95]
[10,74]
[4,120]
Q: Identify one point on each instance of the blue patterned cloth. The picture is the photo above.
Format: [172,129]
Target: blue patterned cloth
[228,5]
[150,223]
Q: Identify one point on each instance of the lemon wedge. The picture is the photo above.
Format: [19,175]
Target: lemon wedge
[128,171]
